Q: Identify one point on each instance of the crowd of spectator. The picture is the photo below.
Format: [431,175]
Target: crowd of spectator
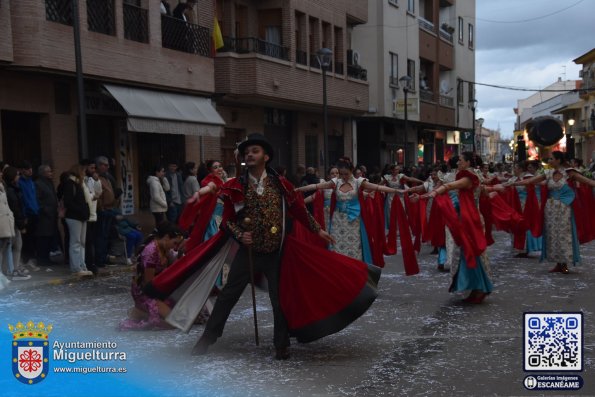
[43,226]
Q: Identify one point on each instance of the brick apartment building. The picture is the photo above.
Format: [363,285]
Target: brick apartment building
[148,83]
[267,77]
[149,80]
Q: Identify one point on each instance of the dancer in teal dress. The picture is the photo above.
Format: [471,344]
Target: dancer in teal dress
[560,239]
[346,222]
[522,171]
[206,208]
[445,252]
[467,228]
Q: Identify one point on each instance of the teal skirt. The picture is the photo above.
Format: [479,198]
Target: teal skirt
[467,279]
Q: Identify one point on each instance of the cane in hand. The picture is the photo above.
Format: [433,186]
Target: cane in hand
[247,222]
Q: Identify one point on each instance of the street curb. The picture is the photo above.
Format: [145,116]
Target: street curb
[67,279]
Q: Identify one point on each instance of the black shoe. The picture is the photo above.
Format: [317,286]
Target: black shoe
[201,347]
[282,353]
[564,269]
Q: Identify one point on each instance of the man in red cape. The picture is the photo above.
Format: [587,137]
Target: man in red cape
[259,197]
[314,292]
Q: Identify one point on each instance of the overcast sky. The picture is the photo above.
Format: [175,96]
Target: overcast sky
[527,43]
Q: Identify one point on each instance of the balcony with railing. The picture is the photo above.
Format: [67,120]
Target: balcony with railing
[253,45]
[136,23]
[120,41]
[426,95]
[314,61]
[446,100]
[179,35]
[59,11]
[248,77]
[426,25]
[101,17]
[582,127]
[301,57]
[357,72]
[445,35]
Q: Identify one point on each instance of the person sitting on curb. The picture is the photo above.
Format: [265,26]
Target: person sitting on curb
[132,231]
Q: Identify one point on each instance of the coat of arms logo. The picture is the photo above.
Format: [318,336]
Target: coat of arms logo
[30,351]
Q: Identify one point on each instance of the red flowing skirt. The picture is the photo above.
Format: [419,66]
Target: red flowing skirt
[321,292]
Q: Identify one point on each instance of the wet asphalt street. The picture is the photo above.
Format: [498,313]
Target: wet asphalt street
[417,339]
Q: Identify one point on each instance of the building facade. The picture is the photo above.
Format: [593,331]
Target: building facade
[152,83]
[148,79]
[563,100]
[268,79]
[582,112]
[433,43]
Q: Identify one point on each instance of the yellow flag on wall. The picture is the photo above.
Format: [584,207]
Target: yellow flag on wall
[217,36]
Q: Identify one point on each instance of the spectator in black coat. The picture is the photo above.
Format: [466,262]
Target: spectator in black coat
[47,225]
[76,202]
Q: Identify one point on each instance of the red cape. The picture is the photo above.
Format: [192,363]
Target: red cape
[373,216]
[466,230]
[436,227]
[302,233]
[398,217]
[321,291]
[584,212]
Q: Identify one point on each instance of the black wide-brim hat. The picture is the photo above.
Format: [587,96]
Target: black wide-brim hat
[257,139]
[545,130]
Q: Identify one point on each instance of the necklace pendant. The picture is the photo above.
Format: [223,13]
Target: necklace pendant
[260,190]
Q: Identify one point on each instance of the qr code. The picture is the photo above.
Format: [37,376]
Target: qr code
[553,341]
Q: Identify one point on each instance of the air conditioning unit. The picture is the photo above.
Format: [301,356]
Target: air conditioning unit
[353,57]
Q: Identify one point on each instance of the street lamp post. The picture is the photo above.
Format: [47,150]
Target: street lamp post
[80,87]
[324,57]
[473,106]
[405,83]
[570,140]
[480,121]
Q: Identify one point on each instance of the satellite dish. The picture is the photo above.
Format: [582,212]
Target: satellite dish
[545,130]
[445,87]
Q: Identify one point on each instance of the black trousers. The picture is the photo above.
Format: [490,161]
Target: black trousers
[159,218]
[44,246]
[90,246]
[105,220]
[237,280]
[29,250]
